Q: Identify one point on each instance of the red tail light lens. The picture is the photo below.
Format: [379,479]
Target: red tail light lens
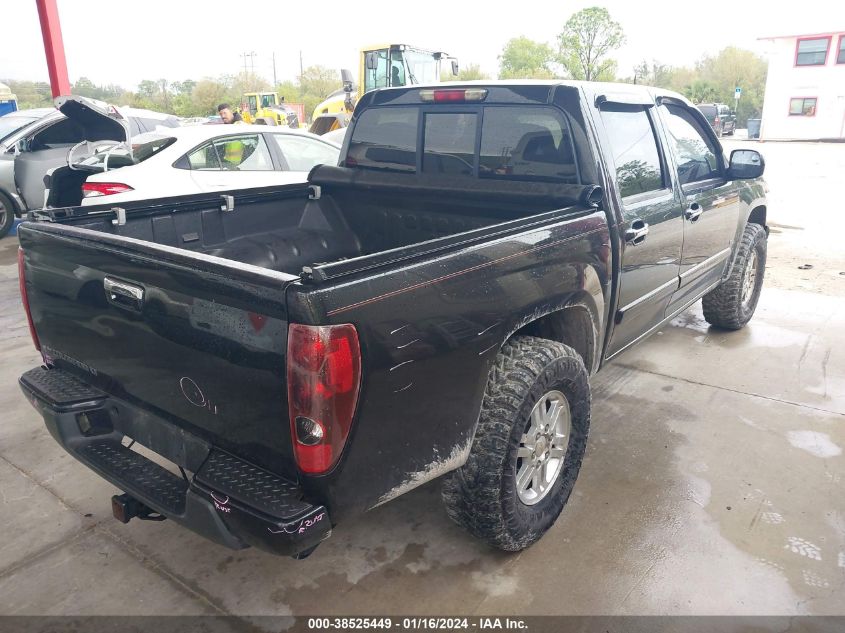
[93,189]
[25,299]
[453,95]
[717,121]
[324,377]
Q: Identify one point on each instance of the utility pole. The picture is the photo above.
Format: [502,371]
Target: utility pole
[275,82]
[251,73]
[300,65]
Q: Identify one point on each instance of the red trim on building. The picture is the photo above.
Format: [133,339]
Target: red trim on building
[804,39]
[805,36]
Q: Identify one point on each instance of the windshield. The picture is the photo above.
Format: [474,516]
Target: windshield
[10,124]
[707,110]
[422,67]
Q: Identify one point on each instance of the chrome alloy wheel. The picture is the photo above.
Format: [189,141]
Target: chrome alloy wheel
[542,449]
[749,280]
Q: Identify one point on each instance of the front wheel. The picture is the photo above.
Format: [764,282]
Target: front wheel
[732,303]
[528,446]
[7,215]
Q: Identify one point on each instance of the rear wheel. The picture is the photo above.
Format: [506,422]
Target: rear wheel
[7,215]
[528,446]
[731,304]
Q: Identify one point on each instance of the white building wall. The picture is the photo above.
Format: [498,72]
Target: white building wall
[786,81]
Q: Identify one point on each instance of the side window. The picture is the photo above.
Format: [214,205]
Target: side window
[64,132]
[376,77]
[526,143]
[397,69]
[204,158]
[698,159]
[243,153]
[301,154]
[449,145]
[635,153]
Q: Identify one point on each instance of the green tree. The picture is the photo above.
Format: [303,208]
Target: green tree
[733,67]
[587,40]
[471,72]
[84,87]
[701,91]
[523,58]
[206,95]
[31,94]
[319,81]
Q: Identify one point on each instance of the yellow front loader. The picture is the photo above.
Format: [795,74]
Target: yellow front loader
[267,108]
[379,67]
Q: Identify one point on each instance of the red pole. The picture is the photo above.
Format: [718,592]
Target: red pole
[54,48]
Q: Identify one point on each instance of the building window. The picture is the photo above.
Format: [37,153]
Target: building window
[812,52]
[840,58]
[802,106]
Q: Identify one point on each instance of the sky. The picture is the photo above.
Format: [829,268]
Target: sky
[126,41]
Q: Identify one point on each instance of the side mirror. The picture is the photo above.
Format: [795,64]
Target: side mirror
[371,61]
[346,78]
[746,164]
[455,67]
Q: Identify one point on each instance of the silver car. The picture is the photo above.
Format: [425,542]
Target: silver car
[34,141]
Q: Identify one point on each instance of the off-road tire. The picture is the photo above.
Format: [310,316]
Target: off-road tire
[481,496]
[724,306]
[7,215]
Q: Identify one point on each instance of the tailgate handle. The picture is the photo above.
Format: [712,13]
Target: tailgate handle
[123,294]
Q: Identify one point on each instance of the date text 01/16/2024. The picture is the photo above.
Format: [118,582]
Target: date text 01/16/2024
[415,623]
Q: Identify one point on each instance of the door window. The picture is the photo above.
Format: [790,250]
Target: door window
[236,153]
[62,133]
[302,154]
[698,159]
[635,151]
[376,77]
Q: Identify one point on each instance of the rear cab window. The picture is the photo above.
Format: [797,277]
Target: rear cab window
[490,141]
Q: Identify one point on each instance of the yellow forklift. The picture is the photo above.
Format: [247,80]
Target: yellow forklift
[379,67]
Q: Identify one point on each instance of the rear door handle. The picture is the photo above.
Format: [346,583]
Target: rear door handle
[637,233]
[123,294]
[693,212]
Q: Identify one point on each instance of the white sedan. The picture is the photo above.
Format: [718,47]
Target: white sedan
[187,160]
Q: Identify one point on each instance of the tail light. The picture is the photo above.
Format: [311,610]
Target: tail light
[25,299]
[324,377]
[453,95]
[94,189]
[717,121]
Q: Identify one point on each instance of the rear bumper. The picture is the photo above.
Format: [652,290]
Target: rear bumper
[227,500]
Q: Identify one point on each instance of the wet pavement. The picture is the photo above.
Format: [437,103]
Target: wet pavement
[713,484]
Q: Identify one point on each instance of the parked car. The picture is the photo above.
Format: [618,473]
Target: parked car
[42,142]
[335,136]
[720,117]
[188,160]
[432,307]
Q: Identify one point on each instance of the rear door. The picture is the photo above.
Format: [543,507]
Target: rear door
[711,202]
[652,222]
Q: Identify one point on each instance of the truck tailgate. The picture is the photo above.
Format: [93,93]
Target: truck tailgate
[197,341]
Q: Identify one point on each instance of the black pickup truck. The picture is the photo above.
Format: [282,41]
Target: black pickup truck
[432,306]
